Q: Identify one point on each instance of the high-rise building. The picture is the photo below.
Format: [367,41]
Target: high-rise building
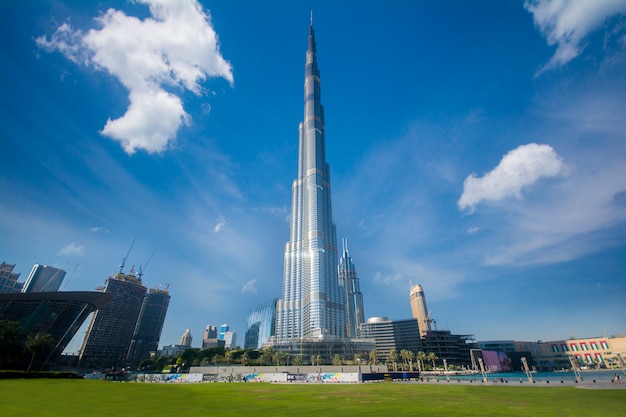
[186,339]
[312,305]
[223,329]
[8,279]
[391,334]
[230,339]
[44,278]
[354,298]
[149,325]
[261,324]
[210,332]
[311,317]
[111,328]
[419,309]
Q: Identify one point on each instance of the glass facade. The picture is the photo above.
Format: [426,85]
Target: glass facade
[149,325]
[354,298]
[312,305]
[261,325]
[44,278]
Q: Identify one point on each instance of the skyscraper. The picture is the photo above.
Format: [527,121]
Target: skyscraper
[419,310]
[149,325]
[354,298]
[8,279]
[186,338]
[261,324]
[312,305]
[43,278]
[111,328]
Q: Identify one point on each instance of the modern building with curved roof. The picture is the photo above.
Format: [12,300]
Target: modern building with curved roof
[59,314]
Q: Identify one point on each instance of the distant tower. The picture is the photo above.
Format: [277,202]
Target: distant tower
[44,278]
[8,279]
[261,325]
[112,327]
[223,330]
[210,332]
[150,324]
[185,339]
[354,298]
[419,310]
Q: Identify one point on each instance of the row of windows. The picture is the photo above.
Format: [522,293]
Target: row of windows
[582,346]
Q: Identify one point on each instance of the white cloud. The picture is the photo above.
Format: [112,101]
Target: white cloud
[176,48]
[566,23]
[72,249]
[98,229]
[250,287]
[221,223]
[519,168]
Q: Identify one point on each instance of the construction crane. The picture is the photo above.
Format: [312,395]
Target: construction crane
[142,270]
[126,257]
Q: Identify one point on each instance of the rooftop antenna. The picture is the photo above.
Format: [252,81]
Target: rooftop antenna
[126,257]
[311,17]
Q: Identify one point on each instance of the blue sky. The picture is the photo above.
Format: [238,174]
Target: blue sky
[477,148]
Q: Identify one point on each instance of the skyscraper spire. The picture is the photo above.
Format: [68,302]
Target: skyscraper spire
[312,305]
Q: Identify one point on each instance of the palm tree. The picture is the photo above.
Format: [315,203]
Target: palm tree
[337,359]
[317,360]
[244,358]
[228,354]
[374,357]
[410,356]
[432,357]
[404,354]
[393,357]
[421,357]
[11,338]
[297,361]
[357,358]
[266,356]
[40,342]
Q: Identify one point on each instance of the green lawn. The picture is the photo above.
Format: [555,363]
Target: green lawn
[101,398]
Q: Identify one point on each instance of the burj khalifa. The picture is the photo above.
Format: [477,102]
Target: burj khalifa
[312,320]
[312,305]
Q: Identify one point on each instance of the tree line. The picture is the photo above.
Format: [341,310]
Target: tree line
[20,350]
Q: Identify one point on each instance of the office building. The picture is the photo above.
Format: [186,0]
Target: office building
[111,328]
[391,334]
[223,329]
[44,278]
[353,296]
[230,339]
[454,348]
[261,325]
[149,325]
[210,332]
[8,279]
[419,309]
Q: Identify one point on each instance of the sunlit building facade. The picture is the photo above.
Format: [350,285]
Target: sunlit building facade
[353,296]
[419,309]
[261,324]
[312,305]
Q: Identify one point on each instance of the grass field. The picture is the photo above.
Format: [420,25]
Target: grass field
[100,398]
